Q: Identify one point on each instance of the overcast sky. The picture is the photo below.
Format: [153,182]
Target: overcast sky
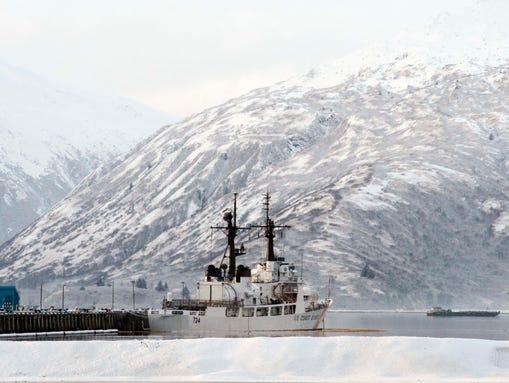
[184,56]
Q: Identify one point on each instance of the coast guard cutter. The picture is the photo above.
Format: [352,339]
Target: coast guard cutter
[234,299]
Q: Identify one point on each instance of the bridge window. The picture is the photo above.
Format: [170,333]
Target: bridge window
[247,311]
[262,311]
[289,309]
[232,312]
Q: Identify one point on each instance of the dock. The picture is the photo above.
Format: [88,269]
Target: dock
[125,322]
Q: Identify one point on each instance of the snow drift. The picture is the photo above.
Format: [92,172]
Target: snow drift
[393,359]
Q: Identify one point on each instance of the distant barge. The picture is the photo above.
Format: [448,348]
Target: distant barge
[440,312]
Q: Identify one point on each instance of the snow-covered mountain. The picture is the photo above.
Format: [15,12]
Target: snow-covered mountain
[391,166]
[51,137]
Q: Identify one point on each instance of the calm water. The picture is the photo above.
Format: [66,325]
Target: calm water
[356,323]
[419,324]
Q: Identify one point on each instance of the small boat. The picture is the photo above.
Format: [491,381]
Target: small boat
[440,312]
[269,297]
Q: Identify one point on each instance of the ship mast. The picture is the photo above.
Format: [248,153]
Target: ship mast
[269,229]
[231,232]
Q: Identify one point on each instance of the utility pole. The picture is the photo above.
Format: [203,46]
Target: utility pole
[112,295]
[133,295]
[40,299]
[63,287]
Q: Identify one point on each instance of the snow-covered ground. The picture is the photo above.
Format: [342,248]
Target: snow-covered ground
[338,359]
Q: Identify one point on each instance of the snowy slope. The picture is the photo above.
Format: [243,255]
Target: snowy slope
[399,168]
[472,37]
[51,137]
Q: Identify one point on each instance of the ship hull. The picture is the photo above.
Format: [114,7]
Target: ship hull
[213,320]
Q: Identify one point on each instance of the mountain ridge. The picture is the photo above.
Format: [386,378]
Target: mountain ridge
[51,137]
[393,179]
[148,216]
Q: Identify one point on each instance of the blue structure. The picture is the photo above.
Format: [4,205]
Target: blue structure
[9,298]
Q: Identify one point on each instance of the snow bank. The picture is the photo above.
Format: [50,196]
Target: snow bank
[358,359]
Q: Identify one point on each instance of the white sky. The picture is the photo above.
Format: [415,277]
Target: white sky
[184,56]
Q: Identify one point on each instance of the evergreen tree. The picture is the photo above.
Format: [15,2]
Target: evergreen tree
[367,272]
[141,283]
[161,287]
